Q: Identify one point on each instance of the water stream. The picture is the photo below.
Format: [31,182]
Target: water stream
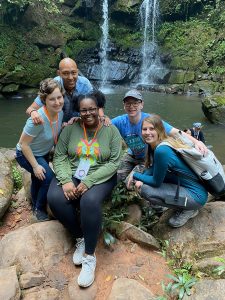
[104,45]
[151,67]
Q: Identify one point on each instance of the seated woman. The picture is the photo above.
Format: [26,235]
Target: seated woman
[85,163]
[158,183]
[36,141]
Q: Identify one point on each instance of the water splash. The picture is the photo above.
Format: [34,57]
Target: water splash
[104,45]
[151,64]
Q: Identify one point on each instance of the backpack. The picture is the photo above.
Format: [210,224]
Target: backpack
[207,167]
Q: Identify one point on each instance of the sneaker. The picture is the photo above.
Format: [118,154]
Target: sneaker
[41,215]
[87,274]
[79,252]
[181,217]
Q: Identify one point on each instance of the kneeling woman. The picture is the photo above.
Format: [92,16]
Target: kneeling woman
[159,182]
[85,163]
[36,141]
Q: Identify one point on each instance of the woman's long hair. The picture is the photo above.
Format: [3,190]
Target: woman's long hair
[156,121]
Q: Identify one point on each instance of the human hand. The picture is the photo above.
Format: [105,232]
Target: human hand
[73,120]
[36,118]
[130,181]
[201,147]
[138,185]
[69,190]
[106,121]
[39,172]
[81,188]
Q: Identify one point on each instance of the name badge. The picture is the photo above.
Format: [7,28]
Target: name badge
[82,169]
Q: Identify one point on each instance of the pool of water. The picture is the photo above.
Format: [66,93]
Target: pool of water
[179,111]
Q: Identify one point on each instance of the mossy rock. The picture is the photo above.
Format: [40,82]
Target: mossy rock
[193,62]
[180,76]
[10,88]
[214,108]
[126,6]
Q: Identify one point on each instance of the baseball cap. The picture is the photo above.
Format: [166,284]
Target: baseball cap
[197,125]
[134,94]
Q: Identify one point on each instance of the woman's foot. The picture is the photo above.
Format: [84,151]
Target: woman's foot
[41,215]
[181,217]
[79,252]
[87,274]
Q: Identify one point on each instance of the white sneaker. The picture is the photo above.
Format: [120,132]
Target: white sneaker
[79,252]
[87,274]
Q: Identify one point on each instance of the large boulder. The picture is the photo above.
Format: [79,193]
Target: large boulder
[124,289]
[214,108]
[6,184]
[202,238]
[208,289]
[9,284]
[35,248]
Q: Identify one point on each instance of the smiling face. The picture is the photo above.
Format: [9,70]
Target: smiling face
[54,101]
[133,106]
[89,112]
[68,71]
[149,134]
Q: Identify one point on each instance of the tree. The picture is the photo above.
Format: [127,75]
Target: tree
[48,5]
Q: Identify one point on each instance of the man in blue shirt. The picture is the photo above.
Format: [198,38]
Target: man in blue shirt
[129,126]
[74,86]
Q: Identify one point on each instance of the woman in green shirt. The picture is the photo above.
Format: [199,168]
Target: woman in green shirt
[86,160]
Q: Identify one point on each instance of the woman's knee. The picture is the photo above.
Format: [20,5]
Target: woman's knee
[90,202]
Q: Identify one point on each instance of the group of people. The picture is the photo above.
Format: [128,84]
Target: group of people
[88,161]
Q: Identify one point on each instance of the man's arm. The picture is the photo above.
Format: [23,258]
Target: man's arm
[201,147]
[35,116]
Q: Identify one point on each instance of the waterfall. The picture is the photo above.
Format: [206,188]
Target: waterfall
[151,65]
[104,45]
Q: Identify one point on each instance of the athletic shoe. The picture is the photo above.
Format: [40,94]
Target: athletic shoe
[87,274]
[181,217]
[41,215]
[79,252]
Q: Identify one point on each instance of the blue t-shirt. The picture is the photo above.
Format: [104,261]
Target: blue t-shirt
[131,133]
[83,87]
[43,140]
[165,158]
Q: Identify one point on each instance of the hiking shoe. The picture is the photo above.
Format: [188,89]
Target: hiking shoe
[79,252]
[159,209]
[181,217]
[87,274]
[41,215]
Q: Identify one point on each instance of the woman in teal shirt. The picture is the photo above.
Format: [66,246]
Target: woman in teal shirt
[158,183]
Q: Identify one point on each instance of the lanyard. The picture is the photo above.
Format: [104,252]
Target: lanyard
[54,134]
[92,140]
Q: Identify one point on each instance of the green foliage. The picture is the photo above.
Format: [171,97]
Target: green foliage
[181,283]
[116,210]
[184,275]
[125,37]
[220,269]
[48,5]
[17,178]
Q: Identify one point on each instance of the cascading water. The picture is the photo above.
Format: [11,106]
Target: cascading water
[151,65]
[104,45]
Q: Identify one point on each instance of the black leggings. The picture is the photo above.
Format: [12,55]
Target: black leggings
[82,217]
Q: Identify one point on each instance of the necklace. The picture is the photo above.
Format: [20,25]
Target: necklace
[89,144]
[54,132]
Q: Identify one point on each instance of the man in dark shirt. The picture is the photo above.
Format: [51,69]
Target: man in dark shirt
[197,133]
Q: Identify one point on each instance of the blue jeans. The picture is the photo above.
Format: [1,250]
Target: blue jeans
[39,188]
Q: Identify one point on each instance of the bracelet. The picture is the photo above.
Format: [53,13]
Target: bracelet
[35,166]
[32,111]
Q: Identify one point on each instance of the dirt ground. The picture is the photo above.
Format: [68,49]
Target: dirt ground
[123,259]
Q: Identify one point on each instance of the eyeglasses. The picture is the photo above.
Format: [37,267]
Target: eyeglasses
[67,74]
[134,104]
[90,110]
